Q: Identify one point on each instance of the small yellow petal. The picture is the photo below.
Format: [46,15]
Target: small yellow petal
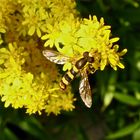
[2,30]
[116,47]
[112,60]
[31,30]
[47,43]
[103,64]
[114,39]
[38,32]
[44,37]
[7,103]
[1,41]
[123,52]
[114,67]
[67,66]
[11,48]
[43,28]
[121,65]
[1,61]
[102,21]
[95,18]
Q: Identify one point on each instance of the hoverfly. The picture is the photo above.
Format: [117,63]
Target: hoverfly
[78,67]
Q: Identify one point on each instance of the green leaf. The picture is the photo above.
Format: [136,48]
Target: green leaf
[33,127]
[124,131]
[131,85]
[136,135]
[9,135]
[107,99]
[127,99]
[133,14]
[81,133]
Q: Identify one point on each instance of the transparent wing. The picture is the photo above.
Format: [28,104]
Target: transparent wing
[84,89]
[55,57]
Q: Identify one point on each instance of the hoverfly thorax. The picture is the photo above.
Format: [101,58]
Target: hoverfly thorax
[81,63]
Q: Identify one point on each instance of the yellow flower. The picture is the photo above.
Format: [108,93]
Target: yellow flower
[77,36]
[63,8]
[28,80]
[51,36]
[35,20]
[38,14]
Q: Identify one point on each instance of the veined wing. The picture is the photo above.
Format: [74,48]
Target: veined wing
[55,57]
[84,89]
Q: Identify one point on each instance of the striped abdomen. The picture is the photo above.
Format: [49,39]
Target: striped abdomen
[70,75]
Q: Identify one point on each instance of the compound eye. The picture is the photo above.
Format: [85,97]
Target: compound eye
[90,59]
[86,54]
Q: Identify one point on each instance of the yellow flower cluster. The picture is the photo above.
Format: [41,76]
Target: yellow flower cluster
[73,37]
[38,14]
[27,79]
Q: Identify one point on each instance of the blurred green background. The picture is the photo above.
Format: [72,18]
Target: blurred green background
[115,113]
